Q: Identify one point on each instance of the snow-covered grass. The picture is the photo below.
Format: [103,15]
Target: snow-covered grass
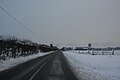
[95,67]
[13,62]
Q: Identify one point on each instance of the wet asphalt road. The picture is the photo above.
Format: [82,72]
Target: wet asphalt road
[50,67]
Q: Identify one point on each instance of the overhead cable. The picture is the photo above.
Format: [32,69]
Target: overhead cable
[25,27]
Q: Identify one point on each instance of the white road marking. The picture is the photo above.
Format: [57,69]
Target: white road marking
[37,71]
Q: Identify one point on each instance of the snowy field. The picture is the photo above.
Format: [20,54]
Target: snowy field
[13,62]
[95,67]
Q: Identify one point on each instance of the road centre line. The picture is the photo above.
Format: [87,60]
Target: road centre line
[37,71]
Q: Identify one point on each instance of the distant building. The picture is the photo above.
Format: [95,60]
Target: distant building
[89,45]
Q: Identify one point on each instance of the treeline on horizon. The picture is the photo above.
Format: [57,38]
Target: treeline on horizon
[12,47]
[90,48]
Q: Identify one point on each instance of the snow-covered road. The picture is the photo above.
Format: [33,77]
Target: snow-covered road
[95,67]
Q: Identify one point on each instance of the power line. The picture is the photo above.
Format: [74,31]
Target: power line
[19,22]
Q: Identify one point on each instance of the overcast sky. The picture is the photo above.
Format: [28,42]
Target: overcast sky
[63,21]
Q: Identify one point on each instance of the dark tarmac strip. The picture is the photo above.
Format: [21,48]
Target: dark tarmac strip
[50,67]
[52,70]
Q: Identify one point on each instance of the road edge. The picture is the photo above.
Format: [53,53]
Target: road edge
[71,75]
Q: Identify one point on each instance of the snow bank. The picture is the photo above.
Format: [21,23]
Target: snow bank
[13,62]
[95,67]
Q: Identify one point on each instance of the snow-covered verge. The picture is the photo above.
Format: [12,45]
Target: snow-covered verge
[13,62]
[94,67]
